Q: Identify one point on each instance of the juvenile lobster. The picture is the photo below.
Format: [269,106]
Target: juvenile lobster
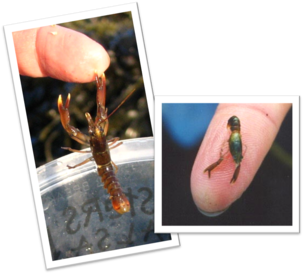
[235,148]
[99,145]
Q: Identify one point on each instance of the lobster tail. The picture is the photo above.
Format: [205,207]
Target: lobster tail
[236,173]
[119,200]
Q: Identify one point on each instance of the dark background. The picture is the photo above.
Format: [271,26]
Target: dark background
[267,201]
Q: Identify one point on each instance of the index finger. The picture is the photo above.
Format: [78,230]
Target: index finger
[60,53]
[260,124]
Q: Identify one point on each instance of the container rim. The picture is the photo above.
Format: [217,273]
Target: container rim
[132,150]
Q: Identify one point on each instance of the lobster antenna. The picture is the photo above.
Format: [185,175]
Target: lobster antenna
[119,105]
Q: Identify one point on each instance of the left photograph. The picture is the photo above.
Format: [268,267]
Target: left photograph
[85,100]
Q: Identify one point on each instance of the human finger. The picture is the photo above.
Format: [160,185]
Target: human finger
[260,124]
[59,53]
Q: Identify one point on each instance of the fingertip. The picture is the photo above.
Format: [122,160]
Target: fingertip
[60,53]
[69,55]
[216,193]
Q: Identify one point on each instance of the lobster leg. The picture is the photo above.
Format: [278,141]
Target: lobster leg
[82,163]
[112,147]
[113,141]
[212,166]
[115,167]
[73,132]
[76,150]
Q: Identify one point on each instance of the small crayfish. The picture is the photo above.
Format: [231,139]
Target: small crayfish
[235,148]
[99,145]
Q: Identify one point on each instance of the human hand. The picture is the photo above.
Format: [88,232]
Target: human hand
[59,53]
[260,124]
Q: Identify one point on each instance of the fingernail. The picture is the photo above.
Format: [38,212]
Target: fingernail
[212,214]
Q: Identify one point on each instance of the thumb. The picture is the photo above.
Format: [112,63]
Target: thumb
[260,124]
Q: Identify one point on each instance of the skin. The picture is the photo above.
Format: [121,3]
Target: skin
[51,51]
[260,124]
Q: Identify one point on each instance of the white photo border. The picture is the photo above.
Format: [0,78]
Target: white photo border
[160,228]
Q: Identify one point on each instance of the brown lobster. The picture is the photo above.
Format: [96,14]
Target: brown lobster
[99,145]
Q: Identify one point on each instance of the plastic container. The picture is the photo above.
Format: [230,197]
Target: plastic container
[79,216]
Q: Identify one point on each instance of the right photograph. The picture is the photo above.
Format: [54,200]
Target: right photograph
[227,164]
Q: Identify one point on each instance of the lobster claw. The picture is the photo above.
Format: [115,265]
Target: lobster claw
[63,110]
[73,132]
[101,117]
[212,166]
[101,89]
